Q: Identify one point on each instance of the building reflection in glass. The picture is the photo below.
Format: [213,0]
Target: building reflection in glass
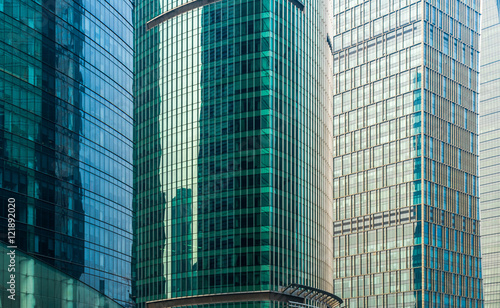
[66,137]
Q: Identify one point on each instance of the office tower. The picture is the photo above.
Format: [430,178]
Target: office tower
[406,231]
[234,153]
[66,149]
[489,132]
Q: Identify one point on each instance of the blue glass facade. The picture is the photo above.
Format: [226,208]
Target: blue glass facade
[66,136]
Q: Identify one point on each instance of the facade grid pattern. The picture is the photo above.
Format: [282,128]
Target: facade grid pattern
[66,140]
[489,143]
[406,229]
[233,109]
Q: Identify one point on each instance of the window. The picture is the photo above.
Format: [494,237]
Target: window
[444,86]
[440,62]
[465,118]
[442,152]
[459,94]
[455,49]
[431,147]
[431,35]
[444,199]
[433,102]
[472,142]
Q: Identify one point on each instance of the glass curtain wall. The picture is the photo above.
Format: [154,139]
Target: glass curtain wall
[406,229]
[66,137]
[39,284]
[234,116]
[489,143]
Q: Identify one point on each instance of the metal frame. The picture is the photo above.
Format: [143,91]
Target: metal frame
[186,7]
[294,293]
[313,294]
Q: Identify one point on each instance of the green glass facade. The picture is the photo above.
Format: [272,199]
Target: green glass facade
[406,231]
[66,149]
[38,284]
[234,130]
[489,155]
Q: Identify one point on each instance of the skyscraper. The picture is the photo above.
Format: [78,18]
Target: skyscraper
[489,134]
[406,230]
[234,152]
[66,149]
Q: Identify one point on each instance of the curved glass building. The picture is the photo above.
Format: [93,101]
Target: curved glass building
[234,148]
[66,144]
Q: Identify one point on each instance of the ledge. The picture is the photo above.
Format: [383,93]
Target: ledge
[293,293]
[186,7]
[252,296]
[313,294]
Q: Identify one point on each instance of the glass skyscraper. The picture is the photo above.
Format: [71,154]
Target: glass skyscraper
[66,149]
[406,231]
[489,145]
[234,152]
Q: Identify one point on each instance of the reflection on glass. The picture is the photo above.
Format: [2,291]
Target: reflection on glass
[38,284]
